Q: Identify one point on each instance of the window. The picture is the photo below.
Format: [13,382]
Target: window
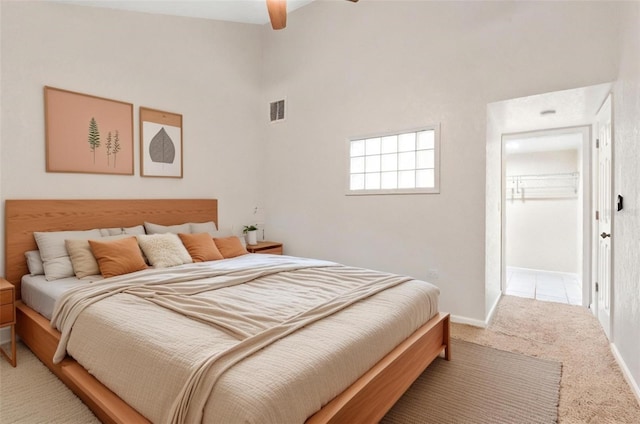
[406,162]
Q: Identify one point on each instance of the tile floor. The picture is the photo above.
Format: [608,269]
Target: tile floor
[544,285]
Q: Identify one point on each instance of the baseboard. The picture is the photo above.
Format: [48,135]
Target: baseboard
[469,321]
[625,371]
[476,322]
[492,312]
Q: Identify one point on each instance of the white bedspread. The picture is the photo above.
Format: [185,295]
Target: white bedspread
[259,338]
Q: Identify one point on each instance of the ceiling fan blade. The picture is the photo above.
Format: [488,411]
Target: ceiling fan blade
[277,13]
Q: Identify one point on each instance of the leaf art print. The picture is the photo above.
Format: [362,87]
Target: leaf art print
[161,148]
[160,143]
[88,134]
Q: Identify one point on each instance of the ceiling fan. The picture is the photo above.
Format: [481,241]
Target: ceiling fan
[278,13]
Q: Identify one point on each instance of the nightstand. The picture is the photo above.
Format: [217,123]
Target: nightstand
[271,247]
[8,316]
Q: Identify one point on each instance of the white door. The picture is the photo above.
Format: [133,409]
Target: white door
[603,286]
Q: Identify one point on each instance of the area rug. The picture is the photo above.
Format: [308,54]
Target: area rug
[482,385]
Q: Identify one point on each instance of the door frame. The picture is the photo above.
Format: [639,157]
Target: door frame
[586,207]
[594,306]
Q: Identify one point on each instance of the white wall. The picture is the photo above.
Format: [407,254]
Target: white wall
[352,69]
[346,69]
[207,71]
[541,233]
[626,231]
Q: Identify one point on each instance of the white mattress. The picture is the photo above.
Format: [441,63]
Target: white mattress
[41,295]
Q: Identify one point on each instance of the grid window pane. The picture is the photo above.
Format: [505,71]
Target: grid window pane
[389,180]
[402,162]
[426,139]
[357,148]
[372,163]
[389,162]
[357,165]
[425,178]
[390,144]
[373,146]
[406,142]
[357,182]
[372,181]
[407,160]
[407,179]
[425,159]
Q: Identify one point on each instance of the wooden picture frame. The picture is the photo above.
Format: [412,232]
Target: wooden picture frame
[160,143]
[87,134]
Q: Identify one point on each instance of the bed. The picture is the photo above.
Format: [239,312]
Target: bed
[365,399]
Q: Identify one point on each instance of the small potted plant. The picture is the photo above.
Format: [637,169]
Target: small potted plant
[251,234]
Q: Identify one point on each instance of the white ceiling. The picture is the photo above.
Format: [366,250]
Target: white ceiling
[244,11]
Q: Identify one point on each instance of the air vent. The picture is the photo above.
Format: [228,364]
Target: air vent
[277,111]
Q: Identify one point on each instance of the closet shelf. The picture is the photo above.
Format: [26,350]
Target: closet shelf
[543,186]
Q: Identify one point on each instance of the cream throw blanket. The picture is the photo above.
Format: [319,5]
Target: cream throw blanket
[187,291]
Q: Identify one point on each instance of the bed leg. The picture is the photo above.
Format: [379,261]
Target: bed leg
[446,339]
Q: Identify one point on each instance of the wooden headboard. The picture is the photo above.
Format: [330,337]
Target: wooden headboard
[23,217]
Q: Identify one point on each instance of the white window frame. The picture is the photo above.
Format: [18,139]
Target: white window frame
[374,192]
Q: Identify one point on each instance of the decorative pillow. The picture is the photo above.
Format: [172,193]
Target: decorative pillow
[34,262]
[201,247]
[163,229]
[138,229]
[82,259]
[204,227]
[117,257]
[230,247]
[53,252]
[81,255]
[164,250]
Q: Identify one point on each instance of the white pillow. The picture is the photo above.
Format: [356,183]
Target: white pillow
[164,250]
[55,258]
[138,229]
[34,262]
[162,229]
[203,227]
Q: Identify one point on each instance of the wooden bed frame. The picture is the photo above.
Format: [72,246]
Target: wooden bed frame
[367,400]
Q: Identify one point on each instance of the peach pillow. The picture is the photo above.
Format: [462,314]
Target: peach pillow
[201,247]
[118,257]
[230,247]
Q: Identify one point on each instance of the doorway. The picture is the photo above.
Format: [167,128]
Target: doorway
[546,173]
[553,111]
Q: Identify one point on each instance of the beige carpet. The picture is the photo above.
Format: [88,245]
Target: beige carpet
[481,385]
[592,388]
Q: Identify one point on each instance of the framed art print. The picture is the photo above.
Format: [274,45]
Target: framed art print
[87,134]
[160,143]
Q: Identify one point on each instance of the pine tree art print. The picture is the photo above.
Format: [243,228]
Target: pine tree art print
[87,134]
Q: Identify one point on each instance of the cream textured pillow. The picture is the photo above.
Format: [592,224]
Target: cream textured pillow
[164,250]
[55,258]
